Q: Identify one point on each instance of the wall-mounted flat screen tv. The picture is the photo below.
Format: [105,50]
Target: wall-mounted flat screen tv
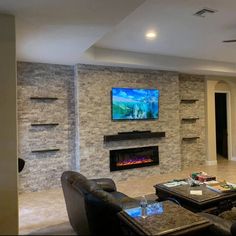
[134,104]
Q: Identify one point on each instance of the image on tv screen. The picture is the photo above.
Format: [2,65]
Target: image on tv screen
[135,104]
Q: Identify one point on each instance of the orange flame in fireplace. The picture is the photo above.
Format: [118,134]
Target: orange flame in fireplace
[133,162]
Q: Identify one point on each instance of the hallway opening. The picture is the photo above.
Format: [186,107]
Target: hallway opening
[221,124]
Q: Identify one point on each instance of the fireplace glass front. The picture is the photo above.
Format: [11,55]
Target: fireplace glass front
[133,158]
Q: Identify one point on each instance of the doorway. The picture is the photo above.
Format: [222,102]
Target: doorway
[221,124]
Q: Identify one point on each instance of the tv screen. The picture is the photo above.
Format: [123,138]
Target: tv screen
[134,104]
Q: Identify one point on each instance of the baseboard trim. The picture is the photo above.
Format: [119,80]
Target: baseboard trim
[211,163]
[233,159]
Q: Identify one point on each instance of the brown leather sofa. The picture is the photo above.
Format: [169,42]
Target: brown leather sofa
[220,226]
[92,205]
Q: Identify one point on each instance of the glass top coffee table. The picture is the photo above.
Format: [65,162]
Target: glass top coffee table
[168,219]
[209,201]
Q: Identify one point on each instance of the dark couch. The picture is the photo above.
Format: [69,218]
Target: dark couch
[221,226]
[92,205]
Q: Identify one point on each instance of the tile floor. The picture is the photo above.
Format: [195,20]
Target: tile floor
[39,210]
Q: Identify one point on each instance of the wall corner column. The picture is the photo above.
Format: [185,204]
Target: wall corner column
[211,130]
[8,127]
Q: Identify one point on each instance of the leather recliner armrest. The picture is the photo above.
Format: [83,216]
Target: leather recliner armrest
[220,226]
[106,184]
[233,229]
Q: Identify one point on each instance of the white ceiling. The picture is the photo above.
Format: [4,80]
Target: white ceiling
[113,32]
[59,31]
[180,33]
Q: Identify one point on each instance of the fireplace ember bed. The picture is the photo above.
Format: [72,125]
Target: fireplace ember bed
[122,159]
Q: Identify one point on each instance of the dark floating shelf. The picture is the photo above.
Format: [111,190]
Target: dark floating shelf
[45,150]
[45,124]
[190,138]
[133,135]
[43,98]
[190,118]
[188,100]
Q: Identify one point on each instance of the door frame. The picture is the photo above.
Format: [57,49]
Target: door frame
[228,113]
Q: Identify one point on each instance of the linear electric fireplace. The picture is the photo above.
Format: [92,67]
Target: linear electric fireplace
[133,158]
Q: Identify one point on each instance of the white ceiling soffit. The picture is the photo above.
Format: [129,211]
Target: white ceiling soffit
[110,57]
[59,31]
[179,32]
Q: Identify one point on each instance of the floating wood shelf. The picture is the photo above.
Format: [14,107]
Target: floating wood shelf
[190,138]
[189,118]
[133,135]
[44,124]
[188,100]
[45,150]
[43,98]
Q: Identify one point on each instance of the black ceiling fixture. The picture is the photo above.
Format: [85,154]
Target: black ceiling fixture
[203,12]
[229,41]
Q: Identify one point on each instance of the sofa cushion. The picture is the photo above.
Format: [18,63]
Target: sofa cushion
[124,200]
[233,229]
[92,210]
[220,226]
[229,215]
[72,176]
[74,199]
[101,208]
[106,184]
[104,199]
[85,186]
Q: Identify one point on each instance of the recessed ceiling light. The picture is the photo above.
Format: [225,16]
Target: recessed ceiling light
[151,35]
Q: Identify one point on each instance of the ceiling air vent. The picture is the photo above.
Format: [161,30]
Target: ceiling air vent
[204,12]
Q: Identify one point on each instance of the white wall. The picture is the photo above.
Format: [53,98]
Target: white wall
[8,128]
[214,84]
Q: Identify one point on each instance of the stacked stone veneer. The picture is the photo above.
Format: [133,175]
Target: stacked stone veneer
[94,109]
[43,170]
[83,112]
[193,151]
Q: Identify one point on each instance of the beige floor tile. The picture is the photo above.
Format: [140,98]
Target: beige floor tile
[47,208]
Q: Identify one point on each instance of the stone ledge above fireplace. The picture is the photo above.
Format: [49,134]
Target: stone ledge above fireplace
[133,135]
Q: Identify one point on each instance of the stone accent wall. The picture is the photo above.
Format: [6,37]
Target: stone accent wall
[94,109]
[193,151]
[43,170]
[83,112]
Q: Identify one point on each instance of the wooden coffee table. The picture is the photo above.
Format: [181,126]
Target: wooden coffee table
[173,220]
[210,201]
